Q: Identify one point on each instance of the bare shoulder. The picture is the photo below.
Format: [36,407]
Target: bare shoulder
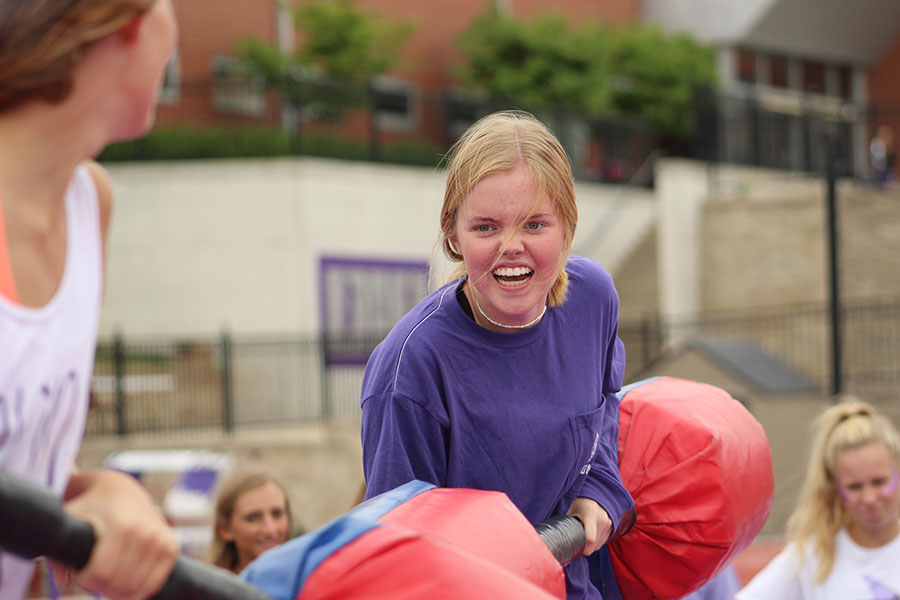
[104,187]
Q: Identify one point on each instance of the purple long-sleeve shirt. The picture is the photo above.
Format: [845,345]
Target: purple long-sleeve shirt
[532,413]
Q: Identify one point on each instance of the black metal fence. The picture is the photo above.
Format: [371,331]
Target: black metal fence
[747,130]
[222,383]
[145,385]
[788,132]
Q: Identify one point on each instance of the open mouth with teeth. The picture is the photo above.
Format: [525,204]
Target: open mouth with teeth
[512,276]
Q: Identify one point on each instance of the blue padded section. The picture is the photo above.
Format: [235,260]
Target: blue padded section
[282,571]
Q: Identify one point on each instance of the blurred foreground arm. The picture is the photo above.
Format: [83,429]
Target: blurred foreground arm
[135,549]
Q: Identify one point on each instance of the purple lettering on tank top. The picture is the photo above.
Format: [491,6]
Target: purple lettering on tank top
[52,406]
[880,591]
[65,400]
[11,409]
[5,425]
[42,420]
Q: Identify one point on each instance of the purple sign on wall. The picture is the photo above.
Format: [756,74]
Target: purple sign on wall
[362,299]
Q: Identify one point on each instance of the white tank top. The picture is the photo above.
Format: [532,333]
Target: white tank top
[46,363]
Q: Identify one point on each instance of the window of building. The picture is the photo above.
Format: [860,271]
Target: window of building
[396,104]
[778,71]
[845,82]
[171,89]
[461,109]
[746,65]
[813,77]
[235,91]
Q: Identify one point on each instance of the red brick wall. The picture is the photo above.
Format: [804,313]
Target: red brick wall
[206,29]
[884,93]
[212,27]
[884,84]
[580,11]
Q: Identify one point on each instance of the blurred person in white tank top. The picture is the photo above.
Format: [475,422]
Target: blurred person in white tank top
[74,76]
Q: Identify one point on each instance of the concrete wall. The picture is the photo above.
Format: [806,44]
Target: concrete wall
[681,187]
[637,282]
[788,423]
[768,244]
[198,246]
[763,254]
[734,237]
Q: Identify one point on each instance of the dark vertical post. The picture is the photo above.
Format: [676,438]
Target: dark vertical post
[647,341]
[706,124]
[754,124]
[831,152]
[447,106]
[806,142]
[119,374]
[326,385]
[227,395]
[295,106]
[374,133]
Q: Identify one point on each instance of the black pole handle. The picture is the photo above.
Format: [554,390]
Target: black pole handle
[35,524]
[564,535]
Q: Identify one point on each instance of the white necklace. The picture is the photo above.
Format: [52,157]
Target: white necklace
[493,322]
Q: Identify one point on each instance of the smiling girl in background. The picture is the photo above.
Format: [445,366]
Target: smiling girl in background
[252,514]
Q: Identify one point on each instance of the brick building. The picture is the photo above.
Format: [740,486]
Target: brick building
[802,67]
[789,70]
[411,100]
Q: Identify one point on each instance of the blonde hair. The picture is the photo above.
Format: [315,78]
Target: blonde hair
[820,511]
[500,142]
[224,554]
[42,41]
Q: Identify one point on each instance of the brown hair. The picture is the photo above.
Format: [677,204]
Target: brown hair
[42,41]
[500,142]
[224,554]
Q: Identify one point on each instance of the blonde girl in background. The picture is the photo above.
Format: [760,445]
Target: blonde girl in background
[844,535]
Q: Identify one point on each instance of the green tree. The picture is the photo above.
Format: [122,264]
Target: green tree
[539,64]
[632,71]
[347,43]
[341,50]
[656,77]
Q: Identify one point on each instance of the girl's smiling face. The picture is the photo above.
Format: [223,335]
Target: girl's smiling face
[258,522]
[512,240]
